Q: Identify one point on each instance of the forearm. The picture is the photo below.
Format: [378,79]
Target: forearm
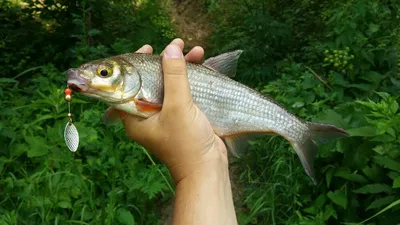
[205,197]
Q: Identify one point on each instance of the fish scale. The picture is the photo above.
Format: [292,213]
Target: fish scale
[234,110]
[245,112]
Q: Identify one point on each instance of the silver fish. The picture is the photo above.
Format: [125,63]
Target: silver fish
[133,83]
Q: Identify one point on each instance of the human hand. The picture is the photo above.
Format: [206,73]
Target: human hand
[179,135]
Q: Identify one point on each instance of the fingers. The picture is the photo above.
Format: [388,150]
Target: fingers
[177,41]
[146,49]
[176,83]
[195,55]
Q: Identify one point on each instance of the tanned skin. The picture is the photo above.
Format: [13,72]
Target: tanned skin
[182,138]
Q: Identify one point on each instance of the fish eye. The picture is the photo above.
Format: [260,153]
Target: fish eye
[104,71]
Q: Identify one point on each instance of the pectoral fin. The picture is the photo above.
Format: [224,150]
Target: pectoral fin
[111,117]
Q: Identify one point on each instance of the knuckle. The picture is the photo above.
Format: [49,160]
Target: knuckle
[175,67]
[175,71]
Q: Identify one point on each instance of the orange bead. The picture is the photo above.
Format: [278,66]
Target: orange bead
[67,91]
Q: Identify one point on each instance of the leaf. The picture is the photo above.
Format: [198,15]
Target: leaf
[8,132]
[329,176]
[125,217]
[373,77]
[383,95]
[387,163]
[378,203]
[374,189]
[351,176]
[298,104]
[64,204]
[320,201]
[7,80]
[339,198]
[394,107]
[94,32]
[393,204]
[363,87]
[379,149]
[331,117]
[383,138]
[338,79]
[391,131]
[310,210]
[396,182]
[373,172]
[366,131]
[37,146]
[373,28]
[368,55]
[395,82]
[393,174]
[329,211]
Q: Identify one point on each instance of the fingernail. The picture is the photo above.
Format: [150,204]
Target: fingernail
[173,52]
[145,49]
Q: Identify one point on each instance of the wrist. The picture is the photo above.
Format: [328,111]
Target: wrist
[205,196]
[212,162]
[208,171]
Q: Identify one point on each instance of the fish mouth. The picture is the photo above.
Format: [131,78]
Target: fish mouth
[76,82]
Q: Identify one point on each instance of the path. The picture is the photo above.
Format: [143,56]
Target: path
[191,21]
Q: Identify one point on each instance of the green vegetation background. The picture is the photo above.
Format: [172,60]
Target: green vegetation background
[326,61]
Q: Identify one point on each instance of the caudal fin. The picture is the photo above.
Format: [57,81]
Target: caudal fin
[307,149]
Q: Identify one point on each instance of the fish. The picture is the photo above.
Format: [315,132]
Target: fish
[133,83]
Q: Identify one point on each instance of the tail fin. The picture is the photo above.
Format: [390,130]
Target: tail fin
[307,149]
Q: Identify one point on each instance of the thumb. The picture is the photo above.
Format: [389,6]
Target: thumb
[176,83]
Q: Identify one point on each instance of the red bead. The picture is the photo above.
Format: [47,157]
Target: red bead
[68,91]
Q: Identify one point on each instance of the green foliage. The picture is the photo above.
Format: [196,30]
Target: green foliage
[110,180]
[325,61]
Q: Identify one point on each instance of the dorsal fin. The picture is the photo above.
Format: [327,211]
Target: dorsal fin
[225,63]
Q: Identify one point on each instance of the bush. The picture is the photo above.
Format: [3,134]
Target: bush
[332,62]
[110,180]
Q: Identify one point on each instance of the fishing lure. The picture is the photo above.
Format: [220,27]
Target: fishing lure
[71,135]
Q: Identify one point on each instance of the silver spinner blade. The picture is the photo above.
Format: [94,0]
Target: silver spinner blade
[71,137]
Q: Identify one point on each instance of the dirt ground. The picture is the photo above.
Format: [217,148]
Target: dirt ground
[191,21]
